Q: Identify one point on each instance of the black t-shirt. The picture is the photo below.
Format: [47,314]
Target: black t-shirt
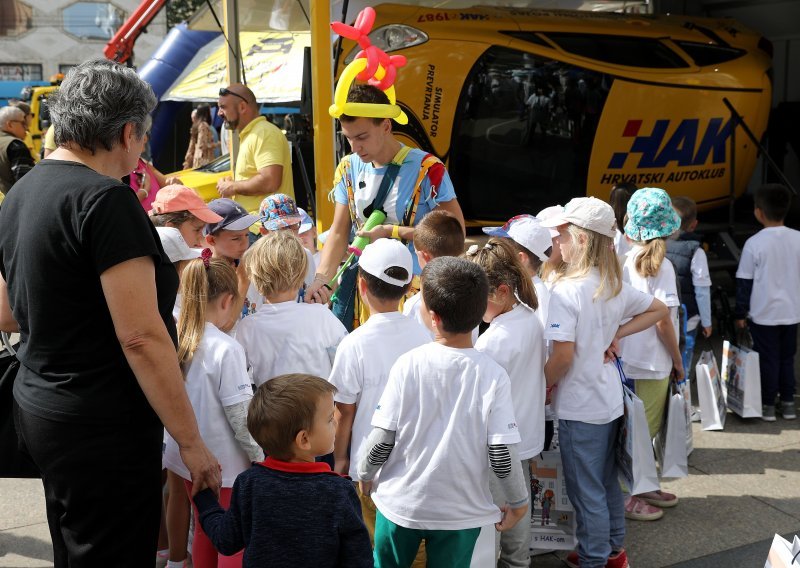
[61,227]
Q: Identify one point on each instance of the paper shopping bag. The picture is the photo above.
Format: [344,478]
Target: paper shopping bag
[672,439]
[741,375]
[710,393]
[552,516]
[634,451]
[684,388]
[783,554]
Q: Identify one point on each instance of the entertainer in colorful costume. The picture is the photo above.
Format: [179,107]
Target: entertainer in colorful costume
[382,189]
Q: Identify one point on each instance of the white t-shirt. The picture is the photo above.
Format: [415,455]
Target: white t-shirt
[361,369]
[644,356]
[621,244]
[216,377]
[446,406]
[515,341]
[771,259]
[290,337]
[701,276]
[543,296]
[590,391]
[411,310]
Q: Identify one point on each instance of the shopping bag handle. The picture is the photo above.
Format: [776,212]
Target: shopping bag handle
[624,379]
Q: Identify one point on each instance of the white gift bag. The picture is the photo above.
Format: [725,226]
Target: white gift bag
[742,378]
[552,517]
[685,389]
[710,392]
[783,554]
[637,464]
[674,462]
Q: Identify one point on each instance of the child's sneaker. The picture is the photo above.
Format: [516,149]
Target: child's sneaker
[788,410]
[660,499]
[640,510]
[616,560]
[768,413]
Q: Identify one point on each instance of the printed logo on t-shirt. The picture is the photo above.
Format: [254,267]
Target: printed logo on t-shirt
[512,425]
[555,325]
[242,387]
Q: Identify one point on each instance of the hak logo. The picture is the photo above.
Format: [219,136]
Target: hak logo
[682,146]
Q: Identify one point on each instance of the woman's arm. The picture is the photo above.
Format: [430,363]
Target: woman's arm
[130,292]
[332,253]
[7,321]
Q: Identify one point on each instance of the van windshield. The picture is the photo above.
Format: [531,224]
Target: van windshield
[523,134]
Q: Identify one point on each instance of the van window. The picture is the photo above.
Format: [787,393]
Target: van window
[708,53]
[523,133]
[619,50]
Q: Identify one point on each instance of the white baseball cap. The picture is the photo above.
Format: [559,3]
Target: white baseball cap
[588,213]
[175,245]
[383,254]
[525,230]
[548,212]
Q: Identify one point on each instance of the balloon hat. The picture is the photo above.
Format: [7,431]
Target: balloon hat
[372,65]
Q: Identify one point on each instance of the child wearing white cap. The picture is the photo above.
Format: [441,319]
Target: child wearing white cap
[365,357]
[285,335]
[533,244]
[587,307]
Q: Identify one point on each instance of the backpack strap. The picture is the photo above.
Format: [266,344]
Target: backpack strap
[434,169]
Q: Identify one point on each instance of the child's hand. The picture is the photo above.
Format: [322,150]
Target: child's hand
[740,324]
[707,331]
[366,487]
[612,351]
[677,371]
[510,517]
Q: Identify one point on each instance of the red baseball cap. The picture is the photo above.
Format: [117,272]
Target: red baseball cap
[174,198]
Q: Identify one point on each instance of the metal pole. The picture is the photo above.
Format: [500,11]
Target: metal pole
[731,212]
[321,98]
[740,121]
[230,20]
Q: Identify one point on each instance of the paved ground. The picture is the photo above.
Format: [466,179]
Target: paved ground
[743,488]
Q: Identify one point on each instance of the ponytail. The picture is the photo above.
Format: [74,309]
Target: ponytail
[648,262]
[499,260]
[202,281]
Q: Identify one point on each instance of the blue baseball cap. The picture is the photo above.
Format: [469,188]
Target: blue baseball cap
[234,216]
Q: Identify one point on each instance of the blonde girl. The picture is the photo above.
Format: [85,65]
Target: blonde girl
[285,335]
[218,386]
[514,339]
[651,356]
[587,307]
[555,265]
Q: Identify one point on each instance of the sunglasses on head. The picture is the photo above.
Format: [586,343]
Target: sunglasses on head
[224,91]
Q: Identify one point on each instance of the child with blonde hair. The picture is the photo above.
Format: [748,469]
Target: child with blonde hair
[217,384]
[514,339]
[285,335]
[587,307]
[652,356]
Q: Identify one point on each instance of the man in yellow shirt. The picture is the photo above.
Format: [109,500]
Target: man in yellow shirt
[264,163]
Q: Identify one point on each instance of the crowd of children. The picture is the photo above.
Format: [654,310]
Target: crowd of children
[408,440]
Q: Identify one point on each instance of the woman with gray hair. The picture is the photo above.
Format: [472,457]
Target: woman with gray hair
[91,291]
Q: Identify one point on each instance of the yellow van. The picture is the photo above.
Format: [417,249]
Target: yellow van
[533,107]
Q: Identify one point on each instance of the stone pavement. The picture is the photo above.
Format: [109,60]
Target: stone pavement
[743,488]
